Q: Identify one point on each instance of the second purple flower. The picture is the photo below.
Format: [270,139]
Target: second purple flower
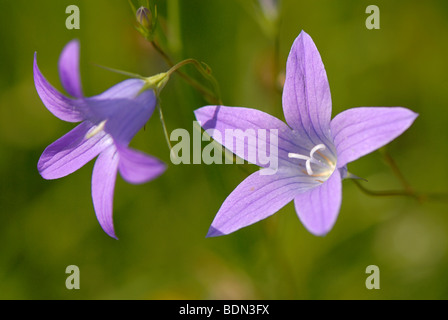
[109,121]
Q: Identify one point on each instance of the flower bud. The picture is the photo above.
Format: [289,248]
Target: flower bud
[144,17]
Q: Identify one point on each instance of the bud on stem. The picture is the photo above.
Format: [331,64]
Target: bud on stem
[144,17]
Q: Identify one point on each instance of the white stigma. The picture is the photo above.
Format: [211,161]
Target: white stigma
[318,147]
[96,129]
[310,159]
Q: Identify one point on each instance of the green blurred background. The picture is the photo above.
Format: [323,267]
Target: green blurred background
[162,252]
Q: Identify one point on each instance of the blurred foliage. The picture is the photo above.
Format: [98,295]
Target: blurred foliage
[162,252]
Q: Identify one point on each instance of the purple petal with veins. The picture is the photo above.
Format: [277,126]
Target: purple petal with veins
[312,149]
[109,122]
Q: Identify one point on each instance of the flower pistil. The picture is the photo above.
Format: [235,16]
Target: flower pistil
[324,167]
[96,129]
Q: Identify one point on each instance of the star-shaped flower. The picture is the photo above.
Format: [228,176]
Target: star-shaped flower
[108,123]
[313,150]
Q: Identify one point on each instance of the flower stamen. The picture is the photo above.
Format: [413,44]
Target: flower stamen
[316,148]
[310,159]
[298,156]
[322,174]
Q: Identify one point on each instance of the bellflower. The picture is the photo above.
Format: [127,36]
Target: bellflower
[108,123]
[313,150]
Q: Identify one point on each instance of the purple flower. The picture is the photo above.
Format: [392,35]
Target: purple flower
[108,123]
[312,149]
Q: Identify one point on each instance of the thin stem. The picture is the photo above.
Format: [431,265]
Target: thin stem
[162,53]
[125,73]
[383,193]
[408,191]
[162,120]
[435,196]
[397,172]
[148,35]
[208,95]
[421,197]
[132,6]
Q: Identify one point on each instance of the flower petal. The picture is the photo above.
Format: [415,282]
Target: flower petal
[125,109]
[359,131]
[71,152]
[62,107]
[248,139]
[103,185]
[318,208]
[137,167]
[69,69]
[256,198]
[306,93]
[127,89]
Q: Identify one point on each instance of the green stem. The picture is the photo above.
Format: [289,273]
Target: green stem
[205,92]
[132,7]
[165,130]
[162,53]
[384,193]
[421,197]
[393,165]
[176,45]
[125,73]
[408,191]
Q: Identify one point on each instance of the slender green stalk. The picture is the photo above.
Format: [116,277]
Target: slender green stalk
[132,6]
[162,120]
[162,53]
[208,95]
[396,171]
[205,92]
[173,8]
[421,197]
[384,193]
[125,73]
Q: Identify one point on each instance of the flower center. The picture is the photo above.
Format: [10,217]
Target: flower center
[323,166]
